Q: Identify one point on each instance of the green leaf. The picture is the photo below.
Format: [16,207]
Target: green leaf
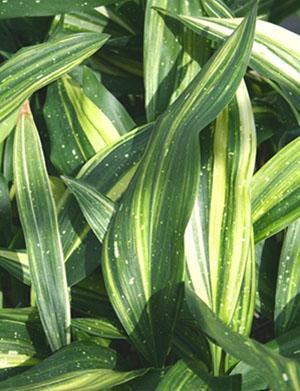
[5,212]
[16,263]
[25,314]
[99,20]
[8,124]
[21,346]
[287,302]
[90,115]
[275,53]
[39,221]
[15,8]
[218,239]
[79,366]
[190,343]
[281,373]
[86,128]
[106,102]
[287,345]
[90,303]
[276,192]
[172,55]
[34,67]
[96,208]
[143,251]
[104,328]
[191,376]
[109,172]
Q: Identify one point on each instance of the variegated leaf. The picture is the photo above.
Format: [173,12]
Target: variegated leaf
[39,222]
[287,302]
[143,250]
[34,67]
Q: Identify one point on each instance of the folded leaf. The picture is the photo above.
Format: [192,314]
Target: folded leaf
[275,53]
[86,129]
[172,55]
[80,366]
[281,373]
[20,346]
[34,67]
[143,251]
[39,221]
[109,172]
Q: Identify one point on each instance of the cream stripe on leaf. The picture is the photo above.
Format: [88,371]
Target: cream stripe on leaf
[34,67]
[218,239]
[143,250]
[40,226]
[78,128]
[275,53]
[79,366]
[172,55]
[109,172]
[276,192]
[287,311]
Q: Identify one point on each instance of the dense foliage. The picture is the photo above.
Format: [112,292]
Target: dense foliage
[149,195]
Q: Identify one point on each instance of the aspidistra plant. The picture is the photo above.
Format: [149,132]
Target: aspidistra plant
[149,195]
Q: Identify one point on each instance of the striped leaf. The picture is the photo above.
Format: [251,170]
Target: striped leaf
[287,314]
[104,328]
[81,249]
[96,208]
[287,344]
[192,376]
[143,251]
[172,55]
[99,20]
[276,192]
[106,102]
[77,127]
[16,263]
[39,221]
[280,373]
[15,8]
[218,9]
[218,238]
[8,124]
[275,54]
[89,115]
[80,366]
[21,346]
[109,172]
[34,67]
[24,314]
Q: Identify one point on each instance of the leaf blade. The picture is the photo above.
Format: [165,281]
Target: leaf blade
[39,221]
[142,273]
[32,68]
